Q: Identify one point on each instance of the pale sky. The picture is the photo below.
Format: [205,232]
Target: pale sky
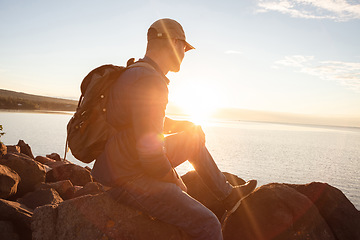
[286,56]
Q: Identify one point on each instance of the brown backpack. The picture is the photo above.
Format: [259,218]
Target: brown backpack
[88,129]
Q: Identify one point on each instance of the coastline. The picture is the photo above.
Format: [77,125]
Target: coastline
[211,120]
[37,111]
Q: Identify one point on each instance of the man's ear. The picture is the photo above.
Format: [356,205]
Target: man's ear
[174,41]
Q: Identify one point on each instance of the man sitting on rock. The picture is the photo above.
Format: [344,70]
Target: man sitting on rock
[138,162]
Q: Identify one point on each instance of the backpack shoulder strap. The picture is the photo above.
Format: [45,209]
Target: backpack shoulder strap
[141,64]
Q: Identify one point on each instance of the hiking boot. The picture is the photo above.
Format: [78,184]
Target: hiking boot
[232,202]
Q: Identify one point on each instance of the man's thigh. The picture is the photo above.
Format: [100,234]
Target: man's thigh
[166,202]
[180,147]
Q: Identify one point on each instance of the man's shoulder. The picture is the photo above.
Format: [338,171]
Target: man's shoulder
[140,72]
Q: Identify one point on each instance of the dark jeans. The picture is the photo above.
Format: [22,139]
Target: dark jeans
[167,202]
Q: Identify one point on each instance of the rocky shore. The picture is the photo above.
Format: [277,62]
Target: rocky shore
[46,197]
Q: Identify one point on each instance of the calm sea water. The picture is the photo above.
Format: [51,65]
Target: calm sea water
[263,151]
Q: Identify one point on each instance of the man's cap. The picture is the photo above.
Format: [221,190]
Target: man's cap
[168,28]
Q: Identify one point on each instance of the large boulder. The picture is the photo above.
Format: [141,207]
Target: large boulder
[65,188]
[40,197]
[339,213]
[198,190]
[277,212]
[8,231]
[19,215]
[9,181]
[76,174]
[25,149]
[30,171]
[97,217]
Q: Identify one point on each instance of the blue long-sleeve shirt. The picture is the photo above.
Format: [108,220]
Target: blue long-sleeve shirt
[136,108]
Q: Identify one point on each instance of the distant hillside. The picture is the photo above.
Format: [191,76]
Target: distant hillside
[291,118]
[24,101]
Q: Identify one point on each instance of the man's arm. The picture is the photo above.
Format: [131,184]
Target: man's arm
[148,99]
[174,126]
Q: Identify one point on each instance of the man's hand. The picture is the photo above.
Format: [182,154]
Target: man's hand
[175,126]
[198,134]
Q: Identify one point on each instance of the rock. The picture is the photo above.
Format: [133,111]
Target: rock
[91,188]
[76,174]
[30,171]
[3,149]
[65,188]
[198,190]
[77,188]
[40,197]
[54,156]
[47,168]
[19,215]
[97,217]
[13,149]
[276,211]
[55,164]
[9,181]
[339,213]
[25,148]
[44,160]
[8,231]
[44,223]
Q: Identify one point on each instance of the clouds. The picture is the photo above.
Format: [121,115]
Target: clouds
[345,73]
[294,61]
[338,10]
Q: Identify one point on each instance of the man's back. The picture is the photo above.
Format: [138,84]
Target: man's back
[136,106]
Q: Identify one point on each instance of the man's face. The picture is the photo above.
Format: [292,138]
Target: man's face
[177,54]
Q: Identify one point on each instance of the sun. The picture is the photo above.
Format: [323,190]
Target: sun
[198,104]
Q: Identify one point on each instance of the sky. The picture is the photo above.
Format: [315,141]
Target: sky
[293,56]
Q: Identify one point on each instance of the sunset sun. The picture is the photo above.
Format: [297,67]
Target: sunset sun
[198,103]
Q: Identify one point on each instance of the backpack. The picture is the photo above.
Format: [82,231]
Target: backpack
[88,129]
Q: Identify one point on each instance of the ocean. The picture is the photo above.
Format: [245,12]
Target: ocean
[268,152]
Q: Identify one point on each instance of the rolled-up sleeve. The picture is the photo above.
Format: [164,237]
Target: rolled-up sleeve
[149,97]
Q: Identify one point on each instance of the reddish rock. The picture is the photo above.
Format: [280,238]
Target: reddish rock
[339,213]
[44,160]
[3,149]
[76,174]
[54,156]
[97,217]
[13,149]
[65,188]
[198,190]
[30,171]
[276,212]
[9,181]
[25,148]
[19,215]
[91,188]
[55,164]
[40,197]
[8,231]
